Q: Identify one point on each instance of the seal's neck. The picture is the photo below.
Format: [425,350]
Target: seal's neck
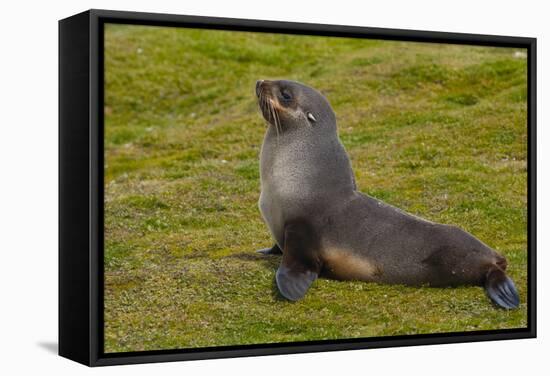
[307,163]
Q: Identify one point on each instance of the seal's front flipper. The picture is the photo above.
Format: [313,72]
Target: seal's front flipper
[501,290]
[300,265]
[275,250]
[293,284]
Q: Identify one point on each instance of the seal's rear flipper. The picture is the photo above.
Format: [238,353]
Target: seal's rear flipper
[275,250]
[501,290]
[300,265]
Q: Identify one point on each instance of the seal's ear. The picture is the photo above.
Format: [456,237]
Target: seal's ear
[311,117]
[299,266]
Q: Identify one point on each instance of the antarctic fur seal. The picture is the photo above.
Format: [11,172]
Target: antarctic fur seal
[323,226]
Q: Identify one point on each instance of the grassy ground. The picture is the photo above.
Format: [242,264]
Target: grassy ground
[437,130]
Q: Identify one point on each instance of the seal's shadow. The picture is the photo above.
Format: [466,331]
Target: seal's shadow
[269,262]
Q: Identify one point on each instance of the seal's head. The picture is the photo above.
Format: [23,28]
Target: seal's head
[289,105]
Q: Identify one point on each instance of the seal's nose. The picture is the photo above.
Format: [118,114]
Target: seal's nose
[258,86]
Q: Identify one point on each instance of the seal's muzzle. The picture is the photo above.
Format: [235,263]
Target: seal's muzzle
[258,87]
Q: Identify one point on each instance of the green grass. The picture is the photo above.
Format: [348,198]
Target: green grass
[438,130]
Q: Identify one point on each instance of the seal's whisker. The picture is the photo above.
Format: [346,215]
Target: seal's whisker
[273,116]
[269,111]
[263,103]
[266,108]
[274,119]
[261,100]
[277,119]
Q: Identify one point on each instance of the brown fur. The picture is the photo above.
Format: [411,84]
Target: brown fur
[345,265]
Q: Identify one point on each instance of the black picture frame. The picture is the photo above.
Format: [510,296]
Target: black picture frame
[81,186]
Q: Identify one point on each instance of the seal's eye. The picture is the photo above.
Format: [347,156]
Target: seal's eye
[286,95]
